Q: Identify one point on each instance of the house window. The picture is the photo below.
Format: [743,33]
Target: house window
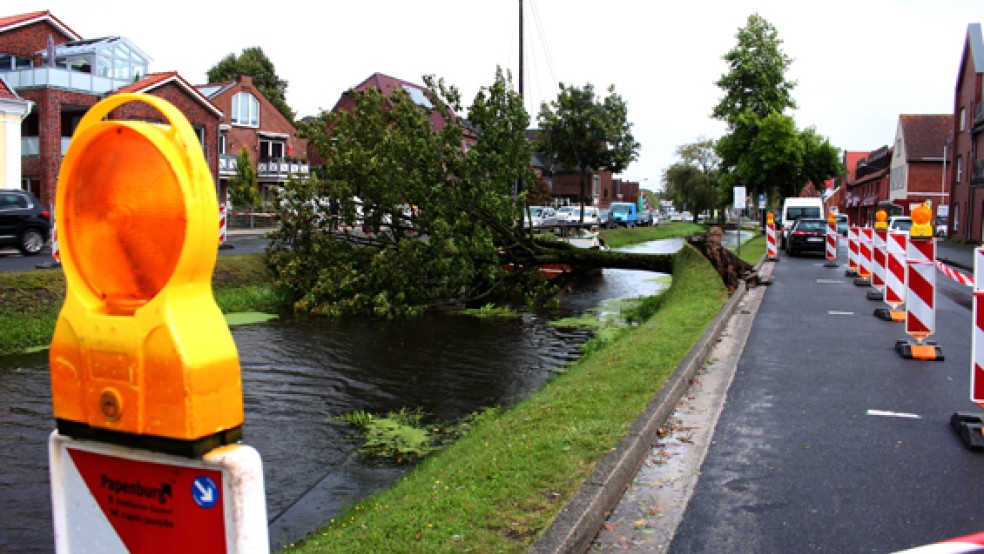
[245,110]
[200,132]
[963,118]
[222,144]
[271,149]
[956,217]
[596,187]
[959,165]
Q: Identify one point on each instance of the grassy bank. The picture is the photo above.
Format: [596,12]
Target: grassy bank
[30,300]
[617,238]
[501,485]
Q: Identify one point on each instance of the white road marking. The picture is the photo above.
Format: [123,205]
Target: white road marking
[901,415]
[834,312]
[829,281]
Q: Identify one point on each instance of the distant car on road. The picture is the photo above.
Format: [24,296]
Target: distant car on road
[540,216]
[807,235]
[842,223]
[644,218]
[24,224]
[900,223]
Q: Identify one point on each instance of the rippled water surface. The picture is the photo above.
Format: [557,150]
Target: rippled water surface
[299,376]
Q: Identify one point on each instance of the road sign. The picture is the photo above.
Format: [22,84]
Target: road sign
[109,498]
[739,198]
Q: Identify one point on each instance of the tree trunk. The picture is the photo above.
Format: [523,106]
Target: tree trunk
[729,266]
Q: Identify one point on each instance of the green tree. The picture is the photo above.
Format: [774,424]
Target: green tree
[692,182]
[244,187]
[582,134]
[253,62]
[763,150]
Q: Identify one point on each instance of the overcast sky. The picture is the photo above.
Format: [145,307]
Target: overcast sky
[859,64]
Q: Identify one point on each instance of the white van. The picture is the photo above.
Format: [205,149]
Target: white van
[794,208]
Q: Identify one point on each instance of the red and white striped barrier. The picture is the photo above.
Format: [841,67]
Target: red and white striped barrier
[831,250]
[864,253]
[959,545]
[895,288]
[852,250]
[961,278]
[222,223]
[878,255]
[920,313]
[977,338]
[770,241]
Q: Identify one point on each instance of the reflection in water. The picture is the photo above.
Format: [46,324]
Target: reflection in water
[299,376]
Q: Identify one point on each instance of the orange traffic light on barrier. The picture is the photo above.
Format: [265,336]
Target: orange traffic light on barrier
[141,354]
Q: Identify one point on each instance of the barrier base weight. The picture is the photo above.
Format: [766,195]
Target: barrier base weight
[830,264]
[875,294]
[924,351]
[851,273]
[862,282]
[969,427]
[897,316]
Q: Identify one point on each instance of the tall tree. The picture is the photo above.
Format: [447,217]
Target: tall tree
[763,150]
[581,133]
[254,62]
[244,187]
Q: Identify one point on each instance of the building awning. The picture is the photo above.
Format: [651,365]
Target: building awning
[269,135]
[870,200]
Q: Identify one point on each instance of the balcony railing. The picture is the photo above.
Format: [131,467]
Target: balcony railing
[281,169]
[271,169]
[62,78]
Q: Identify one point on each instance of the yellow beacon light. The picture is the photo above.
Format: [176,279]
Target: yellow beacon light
[141,354]
[831,218]
[921,215]
[881,220]
[770,219]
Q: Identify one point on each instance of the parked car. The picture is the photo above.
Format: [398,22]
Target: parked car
[567,214]
[24,224]
[842,223]
[572,215]
[899,223]
[540,216]
[807,235]
[625,214]
[794,208]
[604,219]
[644,218]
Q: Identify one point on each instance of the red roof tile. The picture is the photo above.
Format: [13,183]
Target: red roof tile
[155,80]
[6,92]
[925,135]
[12,21]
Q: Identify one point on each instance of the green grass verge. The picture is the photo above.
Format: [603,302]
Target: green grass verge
[503,483]
[617,238]
[753,249]
[30,300]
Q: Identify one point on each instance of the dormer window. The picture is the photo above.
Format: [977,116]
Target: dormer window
[245,110]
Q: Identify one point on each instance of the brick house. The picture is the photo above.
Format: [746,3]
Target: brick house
[250,121]
[866,188]
[917,162]
[13,110]
[965,171]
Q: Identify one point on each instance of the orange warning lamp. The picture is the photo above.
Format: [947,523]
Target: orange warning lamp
[921,228]
[770,219]
[831,218]
[881,220]
[141,354]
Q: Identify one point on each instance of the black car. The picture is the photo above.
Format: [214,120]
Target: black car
[24,224]
[808,234]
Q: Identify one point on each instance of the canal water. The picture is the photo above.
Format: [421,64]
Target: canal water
[299,376]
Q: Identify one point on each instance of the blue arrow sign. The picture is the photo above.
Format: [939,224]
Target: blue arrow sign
[205,492]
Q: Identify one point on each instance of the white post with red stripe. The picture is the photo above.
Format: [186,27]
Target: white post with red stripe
[864,257]
[920,303]
[831,238]
[852,251]
[895,288]
[222,223]
[770,238]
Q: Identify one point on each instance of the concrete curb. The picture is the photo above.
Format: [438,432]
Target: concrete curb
[577,524]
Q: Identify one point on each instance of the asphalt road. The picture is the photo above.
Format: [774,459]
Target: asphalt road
[243,242]
[830,441]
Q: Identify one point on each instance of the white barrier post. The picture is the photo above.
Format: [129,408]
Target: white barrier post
[770,238]
[831,238]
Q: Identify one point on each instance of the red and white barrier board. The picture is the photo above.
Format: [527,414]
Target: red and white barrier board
[895,288]
[770,241]
[852,249]
[878,259]
[920,313]
[222,223]
[109,498]
[864,252]
[977,337]
[831,250]
[959,545]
